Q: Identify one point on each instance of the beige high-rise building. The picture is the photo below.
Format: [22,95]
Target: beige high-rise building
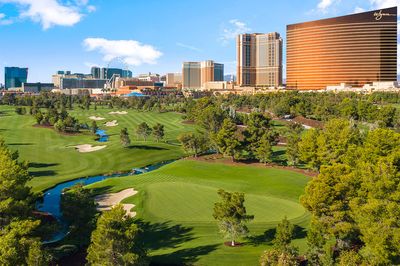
[259,58]
[173,79]
[196,74]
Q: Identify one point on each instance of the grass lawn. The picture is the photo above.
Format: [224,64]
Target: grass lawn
[175,204]
[53,158]
[397,105]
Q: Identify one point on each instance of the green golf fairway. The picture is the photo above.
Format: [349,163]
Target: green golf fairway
[175,202]
[53,158]
[175,205]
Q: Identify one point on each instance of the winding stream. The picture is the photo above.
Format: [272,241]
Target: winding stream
[51,200]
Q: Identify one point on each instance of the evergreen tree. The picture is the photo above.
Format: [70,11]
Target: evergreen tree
[115,240]
[227,139]
[284,234]
[292,147]
[16,199]
[257,127]
[308,149]
[18,246]
[79,210]
[94,127]
[124,137]
[282,253]
[193,143]
[264,150]
[143,130]
[158,132]
[231,215]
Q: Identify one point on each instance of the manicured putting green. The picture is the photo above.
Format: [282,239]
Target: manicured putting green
[175,205]
[161,196]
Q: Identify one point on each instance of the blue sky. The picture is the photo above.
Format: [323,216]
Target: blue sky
[150,35]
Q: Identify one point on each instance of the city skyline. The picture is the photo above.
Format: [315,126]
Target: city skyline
[83,37]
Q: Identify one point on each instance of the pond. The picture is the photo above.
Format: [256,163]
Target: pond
[103,137]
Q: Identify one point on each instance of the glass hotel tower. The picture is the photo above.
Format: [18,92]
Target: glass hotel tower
[355,49]
[15,76]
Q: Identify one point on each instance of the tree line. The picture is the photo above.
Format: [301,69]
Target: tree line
[143,130]
[20,229]
[376,108]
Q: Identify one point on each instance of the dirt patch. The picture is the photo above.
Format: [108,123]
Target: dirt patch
[96,118]
[310,123]
[188,122]
[111,123]
[43,126]
[218,158]
[118,113]
[84,148]
[107,201]
[229,244]
[61,133]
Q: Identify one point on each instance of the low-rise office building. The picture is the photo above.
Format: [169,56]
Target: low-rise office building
[77,83]
[149,77]
[56,78]
[218,85]
[120,82]
[37,87]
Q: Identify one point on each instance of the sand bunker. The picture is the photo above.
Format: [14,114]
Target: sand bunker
[107,201]
[111,123]
[89,148]
[97,118]
[118,113]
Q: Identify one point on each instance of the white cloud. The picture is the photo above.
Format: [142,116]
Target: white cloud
[236,27]
[359,9]
[4,20]
[90,8]
[90,64]
[190,47]
[377,4]
[324,4]
[51,13]
[130,52]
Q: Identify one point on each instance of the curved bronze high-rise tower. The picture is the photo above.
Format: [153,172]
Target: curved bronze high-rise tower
[354,49]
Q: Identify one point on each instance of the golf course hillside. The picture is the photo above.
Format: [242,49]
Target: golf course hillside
[54,157]
[174,206]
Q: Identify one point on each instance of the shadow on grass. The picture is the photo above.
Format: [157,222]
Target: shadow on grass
[278,157]
[265,238]
[268,236]
[187,256]
[41,165]
[42,173]
[146,147]
[299,232]
[279,153]
[164,235]
[20,144]
[101,190]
